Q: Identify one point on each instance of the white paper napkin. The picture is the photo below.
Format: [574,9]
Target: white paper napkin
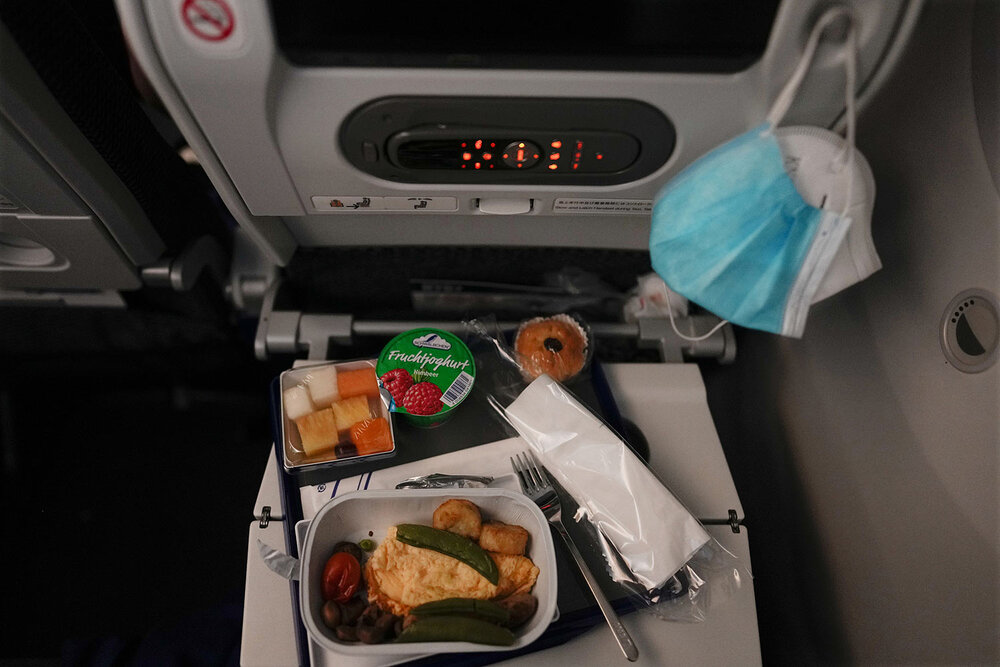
[652,530]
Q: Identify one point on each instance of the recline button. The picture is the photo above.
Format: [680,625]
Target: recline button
[498,206]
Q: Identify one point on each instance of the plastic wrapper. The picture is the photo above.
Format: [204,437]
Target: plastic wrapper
[652,298]
[557,345]
[653,547]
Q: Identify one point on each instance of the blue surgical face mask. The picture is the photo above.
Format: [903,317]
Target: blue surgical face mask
[732,233]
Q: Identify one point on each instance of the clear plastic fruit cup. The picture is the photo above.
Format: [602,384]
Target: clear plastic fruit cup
[333,413]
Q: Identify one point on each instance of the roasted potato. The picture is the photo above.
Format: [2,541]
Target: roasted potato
[460,517]
[503,538]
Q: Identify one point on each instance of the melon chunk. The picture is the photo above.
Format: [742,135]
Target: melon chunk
[297,402]
[318,431]
[322,384]
[350,411]
[361,382]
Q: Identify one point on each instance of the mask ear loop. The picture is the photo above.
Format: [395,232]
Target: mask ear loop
[692,339]
[846,157]
[784,100]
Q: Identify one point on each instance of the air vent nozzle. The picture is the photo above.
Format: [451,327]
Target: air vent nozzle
[970,331]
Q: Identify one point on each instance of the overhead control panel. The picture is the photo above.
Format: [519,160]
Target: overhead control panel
[526,141]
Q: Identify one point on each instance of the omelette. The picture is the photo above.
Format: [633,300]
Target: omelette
[401,576]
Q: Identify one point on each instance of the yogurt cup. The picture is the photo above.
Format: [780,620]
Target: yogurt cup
[428,372]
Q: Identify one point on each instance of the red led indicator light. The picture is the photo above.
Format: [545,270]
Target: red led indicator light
[553,167]
[464,144]
[492,145]
[556,144]
[575,165]
[576,155]
[479,143]
[579,145]
[535,156]
[554,156]
[466,156]
[477,165]
[487,156]
[599,156]
[520,154]
[505,156]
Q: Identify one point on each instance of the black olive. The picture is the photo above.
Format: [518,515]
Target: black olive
[348,547]
[385,621]
[371,614]
[347,633]
[521,607]
[352,610]
[332,614]
[345,450]
[371,634]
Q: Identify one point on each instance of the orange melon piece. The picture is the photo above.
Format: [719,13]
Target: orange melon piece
[361,382]
[372,435]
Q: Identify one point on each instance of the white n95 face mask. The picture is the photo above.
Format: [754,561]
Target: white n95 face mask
[811,155]
[735,233]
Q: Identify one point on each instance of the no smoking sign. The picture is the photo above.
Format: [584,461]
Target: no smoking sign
[210,20]
[214,27]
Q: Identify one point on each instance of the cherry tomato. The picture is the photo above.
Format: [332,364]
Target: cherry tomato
[341,577]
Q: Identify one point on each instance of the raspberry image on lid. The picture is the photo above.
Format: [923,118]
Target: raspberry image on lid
[397,381]
[423,398]
[428,372]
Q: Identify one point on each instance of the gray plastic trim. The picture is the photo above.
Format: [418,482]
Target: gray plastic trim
[270,233]
[275,126]
[83,257]
[50,239]
[20,251]
[34,114]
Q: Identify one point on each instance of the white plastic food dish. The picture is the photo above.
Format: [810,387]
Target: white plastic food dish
[351,516]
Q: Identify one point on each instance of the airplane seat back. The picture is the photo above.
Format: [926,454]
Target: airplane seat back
[97,208]
[324,132]
[92,192]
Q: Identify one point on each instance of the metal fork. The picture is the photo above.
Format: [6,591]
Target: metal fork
[536,485]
